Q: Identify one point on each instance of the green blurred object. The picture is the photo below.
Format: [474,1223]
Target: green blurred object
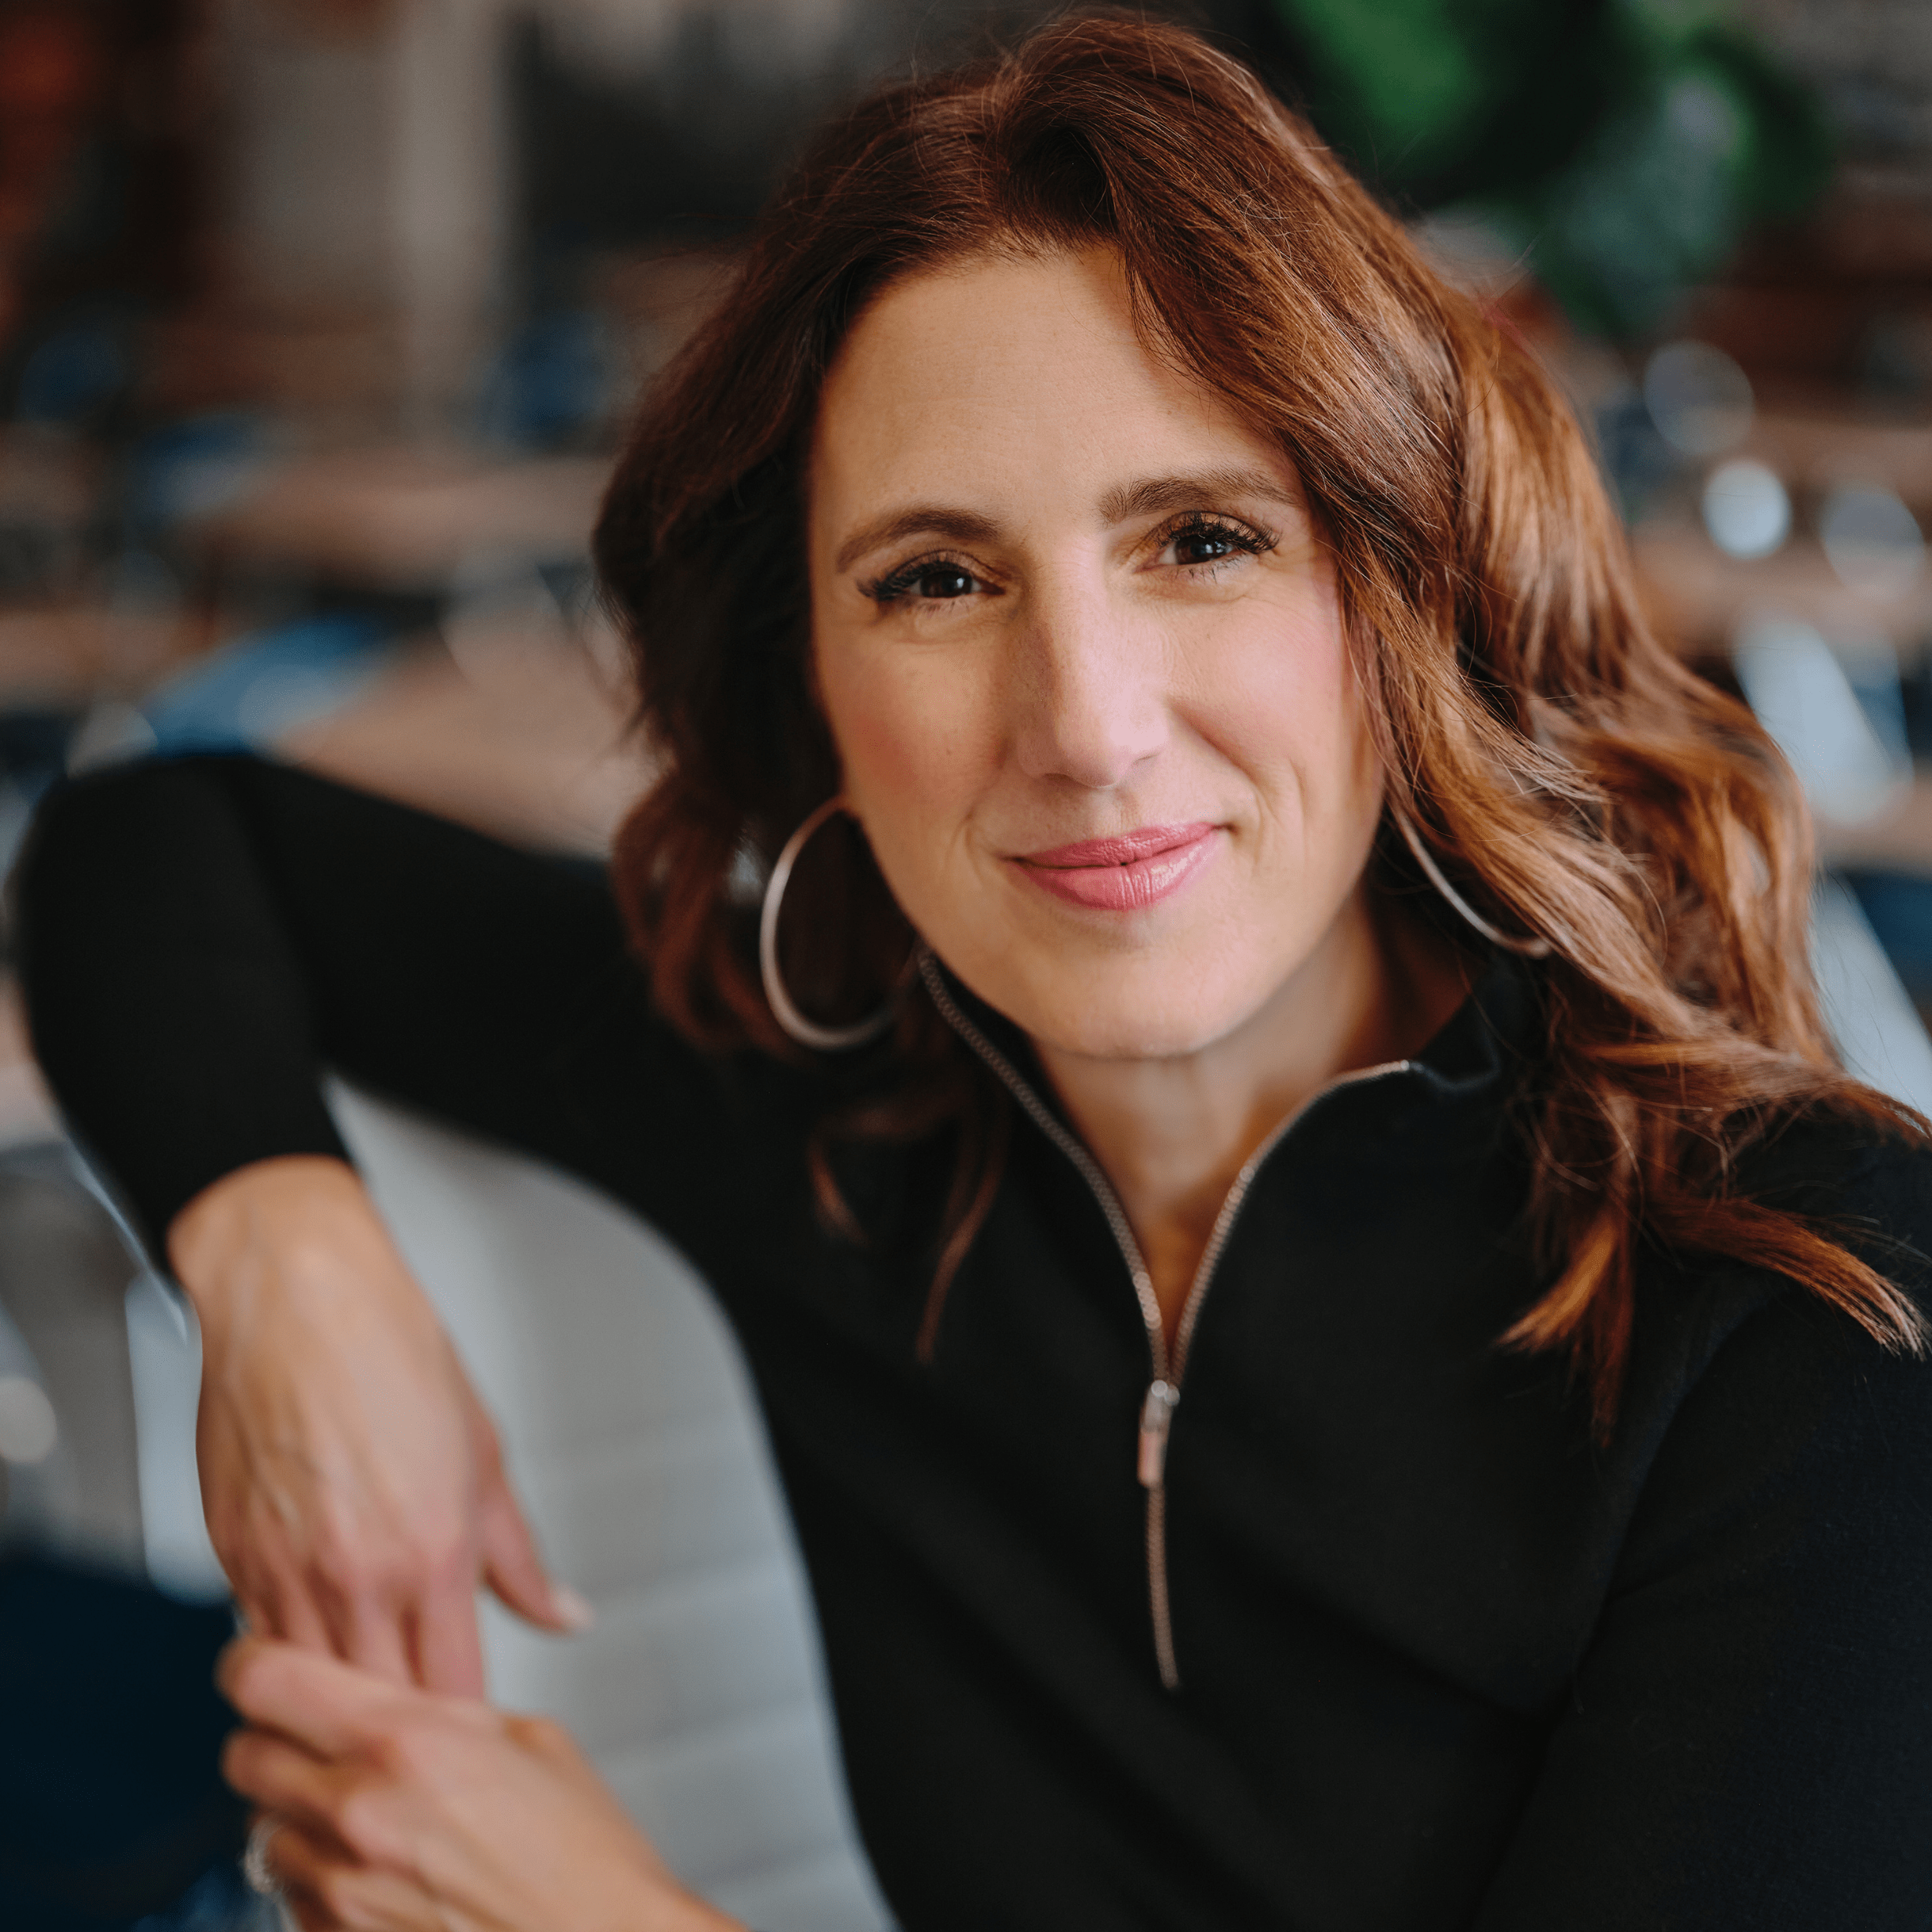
[1624,146]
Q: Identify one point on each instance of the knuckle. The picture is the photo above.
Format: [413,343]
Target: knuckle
[338,1567]
[450,1562]
[543,1735]
[244,1681]
[409,1754]
[387,1756]
[360,1820]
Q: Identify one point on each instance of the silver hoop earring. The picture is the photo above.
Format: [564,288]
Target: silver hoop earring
[1529,948]
[807,1032]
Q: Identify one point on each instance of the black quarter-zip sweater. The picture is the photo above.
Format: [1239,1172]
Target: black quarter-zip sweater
[1439,1662]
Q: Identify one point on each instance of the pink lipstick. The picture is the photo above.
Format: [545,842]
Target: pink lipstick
[1125,874]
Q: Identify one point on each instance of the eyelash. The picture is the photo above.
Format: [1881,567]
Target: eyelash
[1244,537]
[895,586]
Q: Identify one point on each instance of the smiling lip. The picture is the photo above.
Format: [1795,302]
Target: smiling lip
[1124,873]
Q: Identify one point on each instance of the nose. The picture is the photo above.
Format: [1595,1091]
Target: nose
[1087,690]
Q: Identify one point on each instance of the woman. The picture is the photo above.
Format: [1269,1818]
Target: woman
[1341,1351]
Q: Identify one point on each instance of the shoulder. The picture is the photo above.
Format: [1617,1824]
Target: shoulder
[1868,1187]
[1773,1383]
[1734,1365]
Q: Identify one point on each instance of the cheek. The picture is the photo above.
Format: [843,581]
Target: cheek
[918,743]
[1278,697]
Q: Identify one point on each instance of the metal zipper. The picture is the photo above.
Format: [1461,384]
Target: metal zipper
[1163,1393]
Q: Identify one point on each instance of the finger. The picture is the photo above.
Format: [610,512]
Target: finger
[316,1871]
[346,1610]
[357,1814]
[276,1607]
[309,1913]
[513,1570]
[322,1703]
[276,1775]
[377,1642]
[365,1626]
[301,1622]
[446,1647]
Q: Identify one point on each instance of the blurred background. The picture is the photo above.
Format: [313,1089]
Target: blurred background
[319,321]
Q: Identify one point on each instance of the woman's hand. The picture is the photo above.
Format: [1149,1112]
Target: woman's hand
[401,1811]
[353,1484]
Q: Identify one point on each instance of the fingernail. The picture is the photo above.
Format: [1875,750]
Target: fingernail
[573,1611]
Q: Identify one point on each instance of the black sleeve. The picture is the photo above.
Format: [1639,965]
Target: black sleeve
[200,937]
[1748,1744]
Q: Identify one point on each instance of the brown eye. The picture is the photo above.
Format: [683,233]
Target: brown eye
[1203,546]
[944,581]
[931,581]
[1201,540]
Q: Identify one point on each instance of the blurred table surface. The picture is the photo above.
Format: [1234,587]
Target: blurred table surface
[1814,445]
[1699,595]
[404,517]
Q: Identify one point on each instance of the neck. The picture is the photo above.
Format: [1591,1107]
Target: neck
[1172,1134]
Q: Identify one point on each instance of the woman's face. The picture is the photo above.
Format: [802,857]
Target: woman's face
[1082,657]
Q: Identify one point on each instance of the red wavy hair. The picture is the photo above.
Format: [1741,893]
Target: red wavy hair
[1565,769]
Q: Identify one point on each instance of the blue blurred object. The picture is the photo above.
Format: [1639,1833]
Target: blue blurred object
[1636,460]
[74,375]
[552,381]
[251,691]
[112,1809]
[219,1901]
[1915,699]
[192,468]
[1898,906]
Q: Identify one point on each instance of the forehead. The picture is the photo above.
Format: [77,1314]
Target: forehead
[1003,375]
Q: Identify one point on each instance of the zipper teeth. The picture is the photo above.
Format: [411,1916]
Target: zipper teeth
[1157,1588]
[1237,1194]
[1090,1169]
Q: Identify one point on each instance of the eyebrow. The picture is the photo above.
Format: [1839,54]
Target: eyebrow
[1153,495]
[1148,497]
[960,526]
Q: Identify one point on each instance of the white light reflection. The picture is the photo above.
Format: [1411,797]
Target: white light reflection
[1745,509]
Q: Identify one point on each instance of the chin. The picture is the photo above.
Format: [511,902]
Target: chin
[1134,1015]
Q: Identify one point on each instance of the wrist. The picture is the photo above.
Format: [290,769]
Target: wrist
[276,1229]
[652,1899]
[684,1911]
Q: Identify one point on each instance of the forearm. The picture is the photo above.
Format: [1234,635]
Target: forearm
[200,938]
[168,1006]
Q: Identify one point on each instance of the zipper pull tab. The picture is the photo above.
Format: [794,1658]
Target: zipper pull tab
[1156,1413]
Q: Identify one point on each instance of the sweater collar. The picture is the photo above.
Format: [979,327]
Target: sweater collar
[1482,1046]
